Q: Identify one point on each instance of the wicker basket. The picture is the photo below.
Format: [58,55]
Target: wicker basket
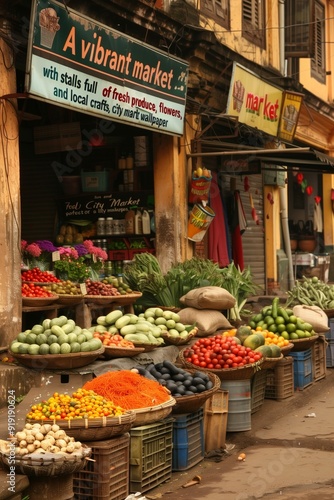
[94,429]
[241,373]
[329,312]
[176,341]
[121,352]
[271,362]
[57,361]
[39,301]
[70,300]
[50,464]
[152,414]
[286,349]
[191,404]
[303,344]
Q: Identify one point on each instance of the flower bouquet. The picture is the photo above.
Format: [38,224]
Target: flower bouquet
[80,262]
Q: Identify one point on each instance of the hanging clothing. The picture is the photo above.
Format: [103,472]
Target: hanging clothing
[217,238]
[239,227]
[317,218]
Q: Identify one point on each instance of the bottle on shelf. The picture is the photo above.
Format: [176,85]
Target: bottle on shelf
[129,161]
[108,226]
[138,222]
[130,221]
[122,162]
[100,226]
[146,222]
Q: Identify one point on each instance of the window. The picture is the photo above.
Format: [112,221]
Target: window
[253,16]
[218,10]
[299,28]
[318,64]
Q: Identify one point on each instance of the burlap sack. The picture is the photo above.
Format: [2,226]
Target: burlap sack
[209,297]
[207,321]
[313,315]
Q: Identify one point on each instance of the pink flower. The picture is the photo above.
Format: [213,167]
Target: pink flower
[23,245]
[33,249]
[89,245]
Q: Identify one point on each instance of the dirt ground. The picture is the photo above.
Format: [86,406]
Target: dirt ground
[289,454]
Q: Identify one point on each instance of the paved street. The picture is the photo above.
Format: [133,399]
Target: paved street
[289,454]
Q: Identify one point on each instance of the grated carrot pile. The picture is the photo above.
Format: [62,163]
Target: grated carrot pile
[128,389]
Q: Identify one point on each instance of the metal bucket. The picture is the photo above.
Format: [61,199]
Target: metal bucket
[239,404]
[199,220]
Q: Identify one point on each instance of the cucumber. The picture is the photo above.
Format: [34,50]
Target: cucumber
[128,329]
[122,321]
[57,330]
[113,316]
[60,321]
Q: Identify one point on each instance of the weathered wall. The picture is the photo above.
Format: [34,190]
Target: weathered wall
[10,225]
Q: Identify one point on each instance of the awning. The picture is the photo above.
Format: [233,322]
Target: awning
[243,161]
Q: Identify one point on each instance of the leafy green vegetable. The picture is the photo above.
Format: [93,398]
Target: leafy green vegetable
[144,274]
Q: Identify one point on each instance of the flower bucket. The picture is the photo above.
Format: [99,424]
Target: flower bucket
[200,219]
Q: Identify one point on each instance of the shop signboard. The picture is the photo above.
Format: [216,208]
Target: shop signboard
[76,62]
[92,206]
[253,101]
[292,102]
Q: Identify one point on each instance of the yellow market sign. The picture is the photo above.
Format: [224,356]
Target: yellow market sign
[76,62]
[253,101]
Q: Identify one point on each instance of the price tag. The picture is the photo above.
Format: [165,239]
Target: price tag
[55,256]
[83,288]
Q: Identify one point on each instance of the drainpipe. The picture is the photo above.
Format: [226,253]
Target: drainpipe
[281,36]
[286,234]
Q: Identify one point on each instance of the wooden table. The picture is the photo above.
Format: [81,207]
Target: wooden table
[84,308]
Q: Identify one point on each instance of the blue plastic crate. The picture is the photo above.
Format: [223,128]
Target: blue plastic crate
[188,440]
[330,354]
[330,334]
[302,369]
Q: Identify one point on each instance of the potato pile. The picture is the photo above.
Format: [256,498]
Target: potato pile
[42,438]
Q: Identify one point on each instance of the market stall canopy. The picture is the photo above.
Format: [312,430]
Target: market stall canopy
[242,161]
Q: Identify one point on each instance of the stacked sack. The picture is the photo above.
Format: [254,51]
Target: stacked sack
[203,306]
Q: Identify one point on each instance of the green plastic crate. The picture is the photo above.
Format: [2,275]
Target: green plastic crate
[151,449]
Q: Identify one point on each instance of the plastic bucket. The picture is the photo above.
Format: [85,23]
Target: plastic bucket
[199,220]
[239,404]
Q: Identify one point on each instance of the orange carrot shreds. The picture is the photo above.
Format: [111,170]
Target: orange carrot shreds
[128,389]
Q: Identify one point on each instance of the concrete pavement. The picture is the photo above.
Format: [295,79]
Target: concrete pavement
[289,454]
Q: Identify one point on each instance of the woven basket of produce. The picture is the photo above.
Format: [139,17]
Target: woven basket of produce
[94,429]
[271,362]
[286,349]
[303,344]
[329,313]
[39,301]
[190,404]
[169,340]
[151,414]
[239,373]
[122,352]
[48,464]
[57,361]
[69,300]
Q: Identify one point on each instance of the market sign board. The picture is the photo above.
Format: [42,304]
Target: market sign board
[292,102]
[78,63]
[253,101]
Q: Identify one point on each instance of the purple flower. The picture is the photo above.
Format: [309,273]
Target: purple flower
[46,246]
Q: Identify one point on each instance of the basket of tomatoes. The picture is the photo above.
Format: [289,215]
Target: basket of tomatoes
[223,356]
[115,346]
